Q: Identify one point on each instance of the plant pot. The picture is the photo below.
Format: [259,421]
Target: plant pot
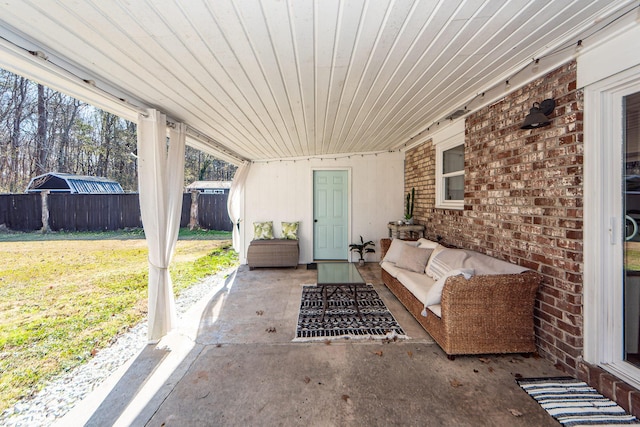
[361,263]
[409,221]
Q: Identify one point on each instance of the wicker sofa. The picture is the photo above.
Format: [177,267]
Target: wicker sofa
[491,312]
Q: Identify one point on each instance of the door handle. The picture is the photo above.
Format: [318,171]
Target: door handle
[315,220]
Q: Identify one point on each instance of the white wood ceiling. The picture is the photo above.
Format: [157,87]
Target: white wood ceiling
[293,78]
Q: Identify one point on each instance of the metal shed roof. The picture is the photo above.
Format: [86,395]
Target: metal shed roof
[70,183]
[209,185]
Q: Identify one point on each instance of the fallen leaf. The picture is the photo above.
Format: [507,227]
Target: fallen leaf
[345,397]
[483,360]
[476,371]
[378,353]
[518,375]
[94,351]
[455,383]
[516,413]
[271,330]
[327,342]
[490,369]
[410,353]
[307,380]
[259,312]
[218,345]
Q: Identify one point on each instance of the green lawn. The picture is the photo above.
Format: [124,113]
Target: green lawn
[64,296]
[632,256]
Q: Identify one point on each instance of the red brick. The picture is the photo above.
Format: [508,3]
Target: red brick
[523,201]
[607,385]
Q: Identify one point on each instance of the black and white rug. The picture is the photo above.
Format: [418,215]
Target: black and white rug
[341,319]
[574,403]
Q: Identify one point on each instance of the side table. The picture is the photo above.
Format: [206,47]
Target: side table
[408,229]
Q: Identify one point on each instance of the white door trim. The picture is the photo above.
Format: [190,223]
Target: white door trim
[603,230]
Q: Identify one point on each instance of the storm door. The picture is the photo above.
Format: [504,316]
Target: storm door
[631,250]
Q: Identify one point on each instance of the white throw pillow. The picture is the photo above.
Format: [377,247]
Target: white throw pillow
[414,259]
[434,296]
[429,268]
[445,260]
[395,250]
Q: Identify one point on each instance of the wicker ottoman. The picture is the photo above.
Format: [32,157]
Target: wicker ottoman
[273,253]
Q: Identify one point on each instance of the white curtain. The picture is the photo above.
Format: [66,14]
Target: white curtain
[234,202]
[160,183]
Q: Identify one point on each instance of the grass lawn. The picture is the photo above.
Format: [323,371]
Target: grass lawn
[65,296]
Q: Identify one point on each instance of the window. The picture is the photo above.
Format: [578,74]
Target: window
[450,173]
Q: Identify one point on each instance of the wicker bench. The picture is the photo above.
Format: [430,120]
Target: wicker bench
[273,253]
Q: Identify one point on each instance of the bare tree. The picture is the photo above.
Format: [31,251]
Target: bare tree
[41,133]
[42,130]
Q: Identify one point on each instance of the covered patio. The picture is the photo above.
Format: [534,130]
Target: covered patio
[375,92]
[222,367]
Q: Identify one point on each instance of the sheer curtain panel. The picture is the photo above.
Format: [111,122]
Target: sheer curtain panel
[160,182]
[235,202]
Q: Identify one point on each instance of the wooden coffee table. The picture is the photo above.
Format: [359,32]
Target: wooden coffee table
[339,275]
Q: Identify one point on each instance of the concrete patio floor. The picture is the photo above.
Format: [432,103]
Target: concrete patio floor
[232,362]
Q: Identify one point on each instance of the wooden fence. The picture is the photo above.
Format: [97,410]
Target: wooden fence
[102,212]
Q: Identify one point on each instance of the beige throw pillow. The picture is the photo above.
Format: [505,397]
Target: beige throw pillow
[395,250]
[414,258]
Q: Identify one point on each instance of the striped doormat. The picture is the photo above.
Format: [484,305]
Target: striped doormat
[575,403]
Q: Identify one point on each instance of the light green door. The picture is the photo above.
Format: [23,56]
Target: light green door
[330,215]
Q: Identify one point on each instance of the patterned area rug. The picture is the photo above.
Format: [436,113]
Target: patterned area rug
[574,403]
[341,319]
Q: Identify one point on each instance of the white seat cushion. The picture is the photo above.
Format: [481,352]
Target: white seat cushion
[436,309]
[391,268]
[416,283]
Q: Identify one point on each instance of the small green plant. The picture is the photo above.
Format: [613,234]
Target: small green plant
[408,209]
[362,248]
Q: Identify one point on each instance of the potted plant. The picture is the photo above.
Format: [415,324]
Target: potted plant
[408,209]
[362,248]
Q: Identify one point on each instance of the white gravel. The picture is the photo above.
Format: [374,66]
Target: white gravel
[64,392]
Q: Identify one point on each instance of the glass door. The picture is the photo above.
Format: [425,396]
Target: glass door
[631,199]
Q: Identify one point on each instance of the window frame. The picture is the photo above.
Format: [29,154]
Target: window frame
[453,141]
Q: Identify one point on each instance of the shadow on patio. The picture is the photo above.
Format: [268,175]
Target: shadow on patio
[225,365]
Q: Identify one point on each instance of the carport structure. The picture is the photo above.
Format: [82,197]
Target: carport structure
[289,89]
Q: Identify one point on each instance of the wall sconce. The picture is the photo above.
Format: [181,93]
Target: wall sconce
[537,116]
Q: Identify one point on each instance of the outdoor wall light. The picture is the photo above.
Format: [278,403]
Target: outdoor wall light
[537,116]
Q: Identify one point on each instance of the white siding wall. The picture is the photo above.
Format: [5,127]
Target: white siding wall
[283,191]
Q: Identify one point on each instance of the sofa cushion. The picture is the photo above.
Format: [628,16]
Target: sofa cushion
[429,244]
[435,292]
[391,268]
[395,250]
[416,283]
[484,264]
[435,309]
[443,260]
[414,258]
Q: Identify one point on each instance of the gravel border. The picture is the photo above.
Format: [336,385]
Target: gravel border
[62,393]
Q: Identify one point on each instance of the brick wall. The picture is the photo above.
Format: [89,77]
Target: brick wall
[523,201]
